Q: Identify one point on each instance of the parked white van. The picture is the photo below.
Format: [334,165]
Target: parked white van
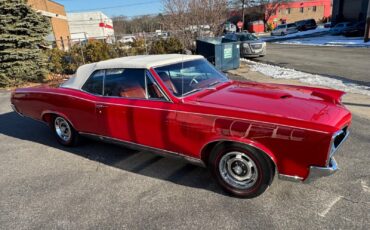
[284,29]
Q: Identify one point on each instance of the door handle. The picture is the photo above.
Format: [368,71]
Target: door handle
[99,106]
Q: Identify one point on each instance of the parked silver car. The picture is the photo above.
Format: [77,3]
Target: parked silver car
[284,29]
[250,45]
[340,27]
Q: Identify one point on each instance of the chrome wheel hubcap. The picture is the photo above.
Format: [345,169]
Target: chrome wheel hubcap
[62,129]
[238,170]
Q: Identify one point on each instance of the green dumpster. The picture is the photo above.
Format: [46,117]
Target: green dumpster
[225,56]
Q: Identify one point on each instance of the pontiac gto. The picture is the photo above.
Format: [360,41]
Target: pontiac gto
[181,106]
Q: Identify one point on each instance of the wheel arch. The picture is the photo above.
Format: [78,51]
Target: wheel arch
[47,116]
[207,149]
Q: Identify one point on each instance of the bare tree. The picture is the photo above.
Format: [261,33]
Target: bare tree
[187,19]
[242,4]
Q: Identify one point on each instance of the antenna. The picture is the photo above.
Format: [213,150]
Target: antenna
[182,79]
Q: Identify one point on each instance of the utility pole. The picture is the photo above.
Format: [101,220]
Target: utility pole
[367,28]
[243,6]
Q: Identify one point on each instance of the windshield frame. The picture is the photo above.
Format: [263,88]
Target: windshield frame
[220,78]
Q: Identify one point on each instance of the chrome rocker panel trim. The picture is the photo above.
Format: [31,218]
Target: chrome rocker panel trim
[290,178]
[132,145]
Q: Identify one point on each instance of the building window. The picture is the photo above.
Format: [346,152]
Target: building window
[301,10]
[288,11]
[314,8]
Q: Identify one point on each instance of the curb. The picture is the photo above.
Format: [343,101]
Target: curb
[317,34]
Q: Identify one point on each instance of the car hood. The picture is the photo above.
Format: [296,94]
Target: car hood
[253,41]
[302,103]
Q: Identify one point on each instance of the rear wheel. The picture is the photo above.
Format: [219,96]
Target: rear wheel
[241,170]
[63,131]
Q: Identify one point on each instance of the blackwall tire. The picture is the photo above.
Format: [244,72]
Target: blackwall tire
[241,170]
[63,131]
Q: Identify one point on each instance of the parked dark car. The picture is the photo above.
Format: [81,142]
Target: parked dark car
[340,27]
[250,45]
[309,24]
[327,25]
[355,30]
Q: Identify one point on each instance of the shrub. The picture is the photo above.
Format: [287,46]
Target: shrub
[163,46]
[22,33]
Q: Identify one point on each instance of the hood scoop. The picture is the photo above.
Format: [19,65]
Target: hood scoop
[266,93]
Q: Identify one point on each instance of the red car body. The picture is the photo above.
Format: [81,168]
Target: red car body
[294,125]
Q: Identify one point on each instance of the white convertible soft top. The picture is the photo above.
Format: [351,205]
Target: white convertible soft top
[132,62]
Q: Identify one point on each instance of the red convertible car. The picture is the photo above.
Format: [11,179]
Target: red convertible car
[181,106]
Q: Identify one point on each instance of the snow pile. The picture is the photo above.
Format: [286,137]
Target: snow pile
[328,41]
[299,34]
[313,79]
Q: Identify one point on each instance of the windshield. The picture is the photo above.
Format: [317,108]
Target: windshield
[188,77]
[248,37]
[280,27]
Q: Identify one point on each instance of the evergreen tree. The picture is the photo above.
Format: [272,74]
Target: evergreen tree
[22,36]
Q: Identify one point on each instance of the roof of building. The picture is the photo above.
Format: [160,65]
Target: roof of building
[131,62]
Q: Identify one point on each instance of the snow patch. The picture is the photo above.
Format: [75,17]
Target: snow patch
[328,40]
[278,72]
[298,34]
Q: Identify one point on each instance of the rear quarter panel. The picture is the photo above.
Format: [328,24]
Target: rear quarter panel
[76,106]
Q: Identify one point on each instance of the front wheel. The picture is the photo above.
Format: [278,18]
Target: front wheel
[63,131]
[241,170]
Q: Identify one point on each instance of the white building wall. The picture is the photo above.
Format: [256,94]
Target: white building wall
[95,25]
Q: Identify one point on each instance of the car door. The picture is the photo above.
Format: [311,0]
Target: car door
[291,28]
[136,110]
[88,109]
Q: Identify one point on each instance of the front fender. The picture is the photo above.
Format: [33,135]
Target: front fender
[213,141]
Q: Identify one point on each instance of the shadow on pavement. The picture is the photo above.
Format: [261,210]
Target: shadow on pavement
[143,163]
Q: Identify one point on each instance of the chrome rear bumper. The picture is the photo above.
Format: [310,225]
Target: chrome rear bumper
[318,172]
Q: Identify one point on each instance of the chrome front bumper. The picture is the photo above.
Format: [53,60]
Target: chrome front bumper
[318,172]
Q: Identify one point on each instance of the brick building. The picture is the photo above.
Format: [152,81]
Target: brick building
[288,12]
[58,18]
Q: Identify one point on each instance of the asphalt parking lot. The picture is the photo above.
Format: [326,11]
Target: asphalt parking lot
[345,63]
[96,185]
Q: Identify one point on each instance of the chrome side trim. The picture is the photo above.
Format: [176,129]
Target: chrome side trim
[318,172]
[290,178]
[132,145]
[15,110]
